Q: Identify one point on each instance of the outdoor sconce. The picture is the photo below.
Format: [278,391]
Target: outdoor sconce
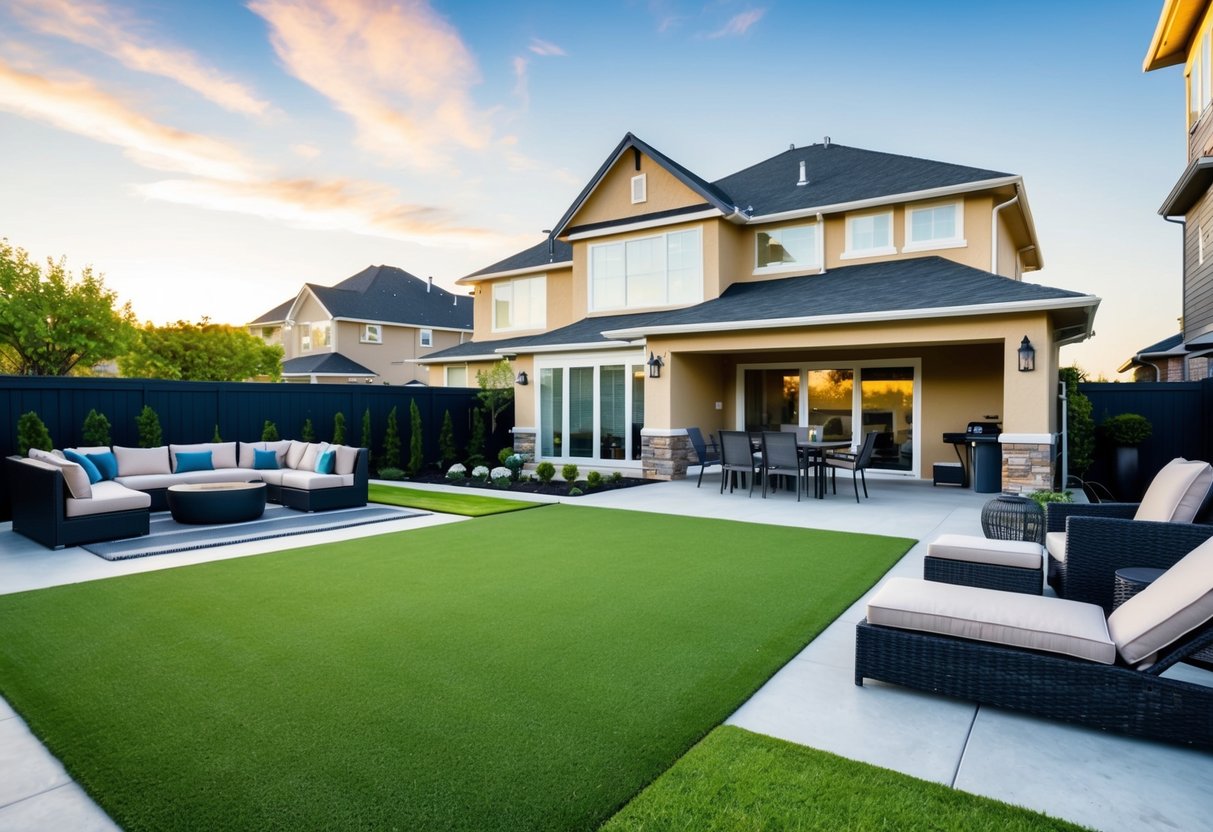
[521,381]
[655,365]
[1027,356]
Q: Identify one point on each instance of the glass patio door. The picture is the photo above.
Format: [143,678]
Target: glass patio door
[887,407]
[831,402]
[591,411]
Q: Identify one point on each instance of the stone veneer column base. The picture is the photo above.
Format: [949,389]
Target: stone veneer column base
[1027,466]
[665,455]
[524,442]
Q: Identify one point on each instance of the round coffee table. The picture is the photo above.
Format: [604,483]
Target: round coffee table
[216,502]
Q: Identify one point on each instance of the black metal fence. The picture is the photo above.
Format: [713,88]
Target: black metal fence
[1181,414]
[190,411]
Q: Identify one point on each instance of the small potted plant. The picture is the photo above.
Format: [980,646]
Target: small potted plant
[1126,431]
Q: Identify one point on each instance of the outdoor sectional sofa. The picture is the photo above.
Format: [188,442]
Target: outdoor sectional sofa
[54,503]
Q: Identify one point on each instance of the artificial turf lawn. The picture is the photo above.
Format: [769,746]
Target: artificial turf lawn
[736,781]
[468,505]
[529,671]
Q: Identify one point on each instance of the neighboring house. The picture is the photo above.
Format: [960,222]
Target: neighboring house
[1184,36]
[827,285]
[369,328]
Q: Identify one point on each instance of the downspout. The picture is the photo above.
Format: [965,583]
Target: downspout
[821,242]
[1065,436]
[994,231]
[1158,372]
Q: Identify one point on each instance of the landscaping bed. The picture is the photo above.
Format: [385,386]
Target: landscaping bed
[557,488]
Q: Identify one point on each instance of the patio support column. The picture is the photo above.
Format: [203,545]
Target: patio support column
[1029,410]
[665,453]
[524,442]
[1027,462]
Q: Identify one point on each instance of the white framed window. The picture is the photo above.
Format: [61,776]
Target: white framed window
[372,334]
[1200,78]
[640,188]
[457,376]
[787,249]
[305,338]
[322,334]
[521,303]
[660,270]
[935,225]
[426,337]
[869,235]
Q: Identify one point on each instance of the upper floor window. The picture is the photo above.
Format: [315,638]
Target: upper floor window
[650,271]
[521,303]
[939,225]
[640,188]
[869,235]
[322,335]
[788,248]
[305,338]
[427,337]
[372,334]
[1200,83]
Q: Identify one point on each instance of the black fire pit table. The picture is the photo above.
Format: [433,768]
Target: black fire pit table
[208,503]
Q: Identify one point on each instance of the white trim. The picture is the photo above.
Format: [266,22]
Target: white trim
[862,317]
[563,364]
[892,199]
[818,232]
[531,327]
[643,224]
[421,337]
[957,240]
[934,246]
[592,345]
[399,325]
[364,334]
[543,267]
[663,431]
[454,359]
[640,194]
[517,429]
[291,316]
[788,269]
[1028,438]
[851,253]
[664,237]
[446,373]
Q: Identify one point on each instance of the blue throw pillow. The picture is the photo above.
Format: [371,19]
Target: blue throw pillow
[265,460]
[106,463]
[326,462]
[194,461]
[94,475]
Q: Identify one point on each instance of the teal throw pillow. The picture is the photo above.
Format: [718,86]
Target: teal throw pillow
[326,462]
[106,463]
[265,460]
[194,461]
[94,475]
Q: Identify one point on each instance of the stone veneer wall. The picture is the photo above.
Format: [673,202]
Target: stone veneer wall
[1027,467]
[524,443]
[666,457]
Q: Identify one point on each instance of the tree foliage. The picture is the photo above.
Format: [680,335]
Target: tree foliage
[200,352]
[416,440]
[366,430]
[52,323]
[269,432]
[307,433]
[446,441]
[1080,424]
[96,430]
[32,433]
[339,428]
[496,390]
[476,441]
[391,442]
[148,424]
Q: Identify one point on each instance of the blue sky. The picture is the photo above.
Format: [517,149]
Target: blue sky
[210,157]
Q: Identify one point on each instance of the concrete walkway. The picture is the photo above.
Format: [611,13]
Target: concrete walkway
[1099,780]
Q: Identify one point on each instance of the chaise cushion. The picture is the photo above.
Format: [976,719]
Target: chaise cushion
[1017,553]
[135,461]
[74,477]
[107,497]
[1055,625]
[1177,492]
[1055,545]
[1168,609]
[223,454]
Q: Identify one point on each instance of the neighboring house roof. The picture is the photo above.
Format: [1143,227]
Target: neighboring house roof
[386,294]
[549,252]
[276,315]
[889,290]
[1166,348]
[1176,23]
[1192,185]
[324,364]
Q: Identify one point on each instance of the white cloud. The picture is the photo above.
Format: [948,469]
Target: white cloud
[738,24]
[546,48]
[521,87]
[305,150]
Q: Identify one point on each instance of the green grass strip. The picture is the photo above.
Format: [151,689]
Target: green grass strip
[468,505]
[529,671]
[736,781]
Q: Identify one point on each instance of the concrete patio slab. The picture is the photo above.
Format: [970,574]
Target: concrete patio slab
[65,807]
[26,767]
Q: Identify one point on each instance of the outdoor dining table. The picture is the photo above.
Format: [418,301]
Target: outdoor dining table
[816,450]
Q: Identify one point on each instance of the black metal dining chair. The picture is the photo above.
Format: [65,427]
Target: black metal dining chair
[855,463]
[708,453]
[780,458]
[737,457]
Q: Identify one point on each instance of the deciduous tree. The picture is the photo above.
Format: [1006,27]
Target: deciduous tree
[203,351]
[496,390]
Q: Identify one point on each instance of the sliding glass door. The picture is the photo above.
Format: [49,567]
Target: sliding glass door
[601,415]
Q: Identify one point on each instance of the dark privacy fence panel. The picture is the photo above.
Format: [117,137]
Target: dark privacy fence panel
[190,410]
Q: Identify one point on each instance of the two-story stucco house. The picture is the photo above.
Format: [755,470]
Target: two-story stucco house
[1184,36]
[826,285]
[369,328]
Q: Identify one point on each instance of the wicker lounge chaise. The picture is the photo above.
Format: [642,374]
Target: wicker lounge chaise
[1055,658]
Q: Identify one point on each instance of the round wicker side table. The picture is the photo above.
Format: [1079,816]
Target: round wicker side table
[1131,580]
[1008,517]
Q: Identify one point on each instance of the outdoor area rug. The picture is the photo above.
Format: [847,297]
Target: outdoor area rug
[168,536]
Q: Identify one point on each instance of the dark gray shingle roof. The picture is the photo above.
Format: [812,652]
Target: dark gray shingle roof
[327,364]
[534,257]
[277,314]
[386,293]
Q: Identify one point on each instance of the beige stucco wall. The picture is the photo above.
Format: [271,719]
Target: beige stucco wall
[309,312]
[612,199]
[561,310]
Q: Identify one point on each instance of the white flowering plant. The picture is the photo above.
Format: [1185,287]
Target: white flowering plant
[456,472]
[480,472]
[501,477]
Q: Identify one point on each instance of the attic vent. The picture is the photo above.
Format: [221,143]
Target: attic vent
[640,189]
[804,177]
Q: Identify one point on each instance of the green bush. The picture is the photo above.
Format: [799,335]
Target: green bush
[504,454]
[391,442]
[446,441]
[366,429]
[570,472]
[545,471]
[593,479]
[269,432]
[615,478]
[416,439]
[96,429]
[1045,497]
[391,474]
[476,441]
[148,423]
[575,492]
[1080,425]
[308,432]
[339,428]
[1128,429]
[32,433]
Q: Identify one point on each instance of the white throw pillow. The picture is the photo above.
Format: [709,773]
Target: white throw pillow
[74,477]
[295,453]
[314,450]
[135,461]
[347,459]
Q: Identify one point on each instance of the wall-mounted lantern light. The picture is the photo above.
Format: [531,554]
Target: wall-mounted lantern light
[655,365]
[521,381]
[1027,356]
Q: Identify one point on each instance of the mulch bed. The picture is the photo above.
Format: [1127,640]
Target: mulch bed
[557,488]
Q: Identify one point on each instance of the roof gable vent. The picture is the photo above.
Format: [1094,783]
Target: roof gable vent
[804,179]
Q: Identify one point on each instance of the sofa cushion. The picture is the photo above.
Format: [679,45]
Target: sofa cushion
[265,460]
[310,481]
[1177,492]
[74,477]
[295,453]
[1015,619]
[223,454]
[185,462]
[247,448]
[1018,553]
[94,473]
[1168,609]
[150,482]
[106,463]
[347,459]
[135,461]
[308,461]
[107,497]
[274,476]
